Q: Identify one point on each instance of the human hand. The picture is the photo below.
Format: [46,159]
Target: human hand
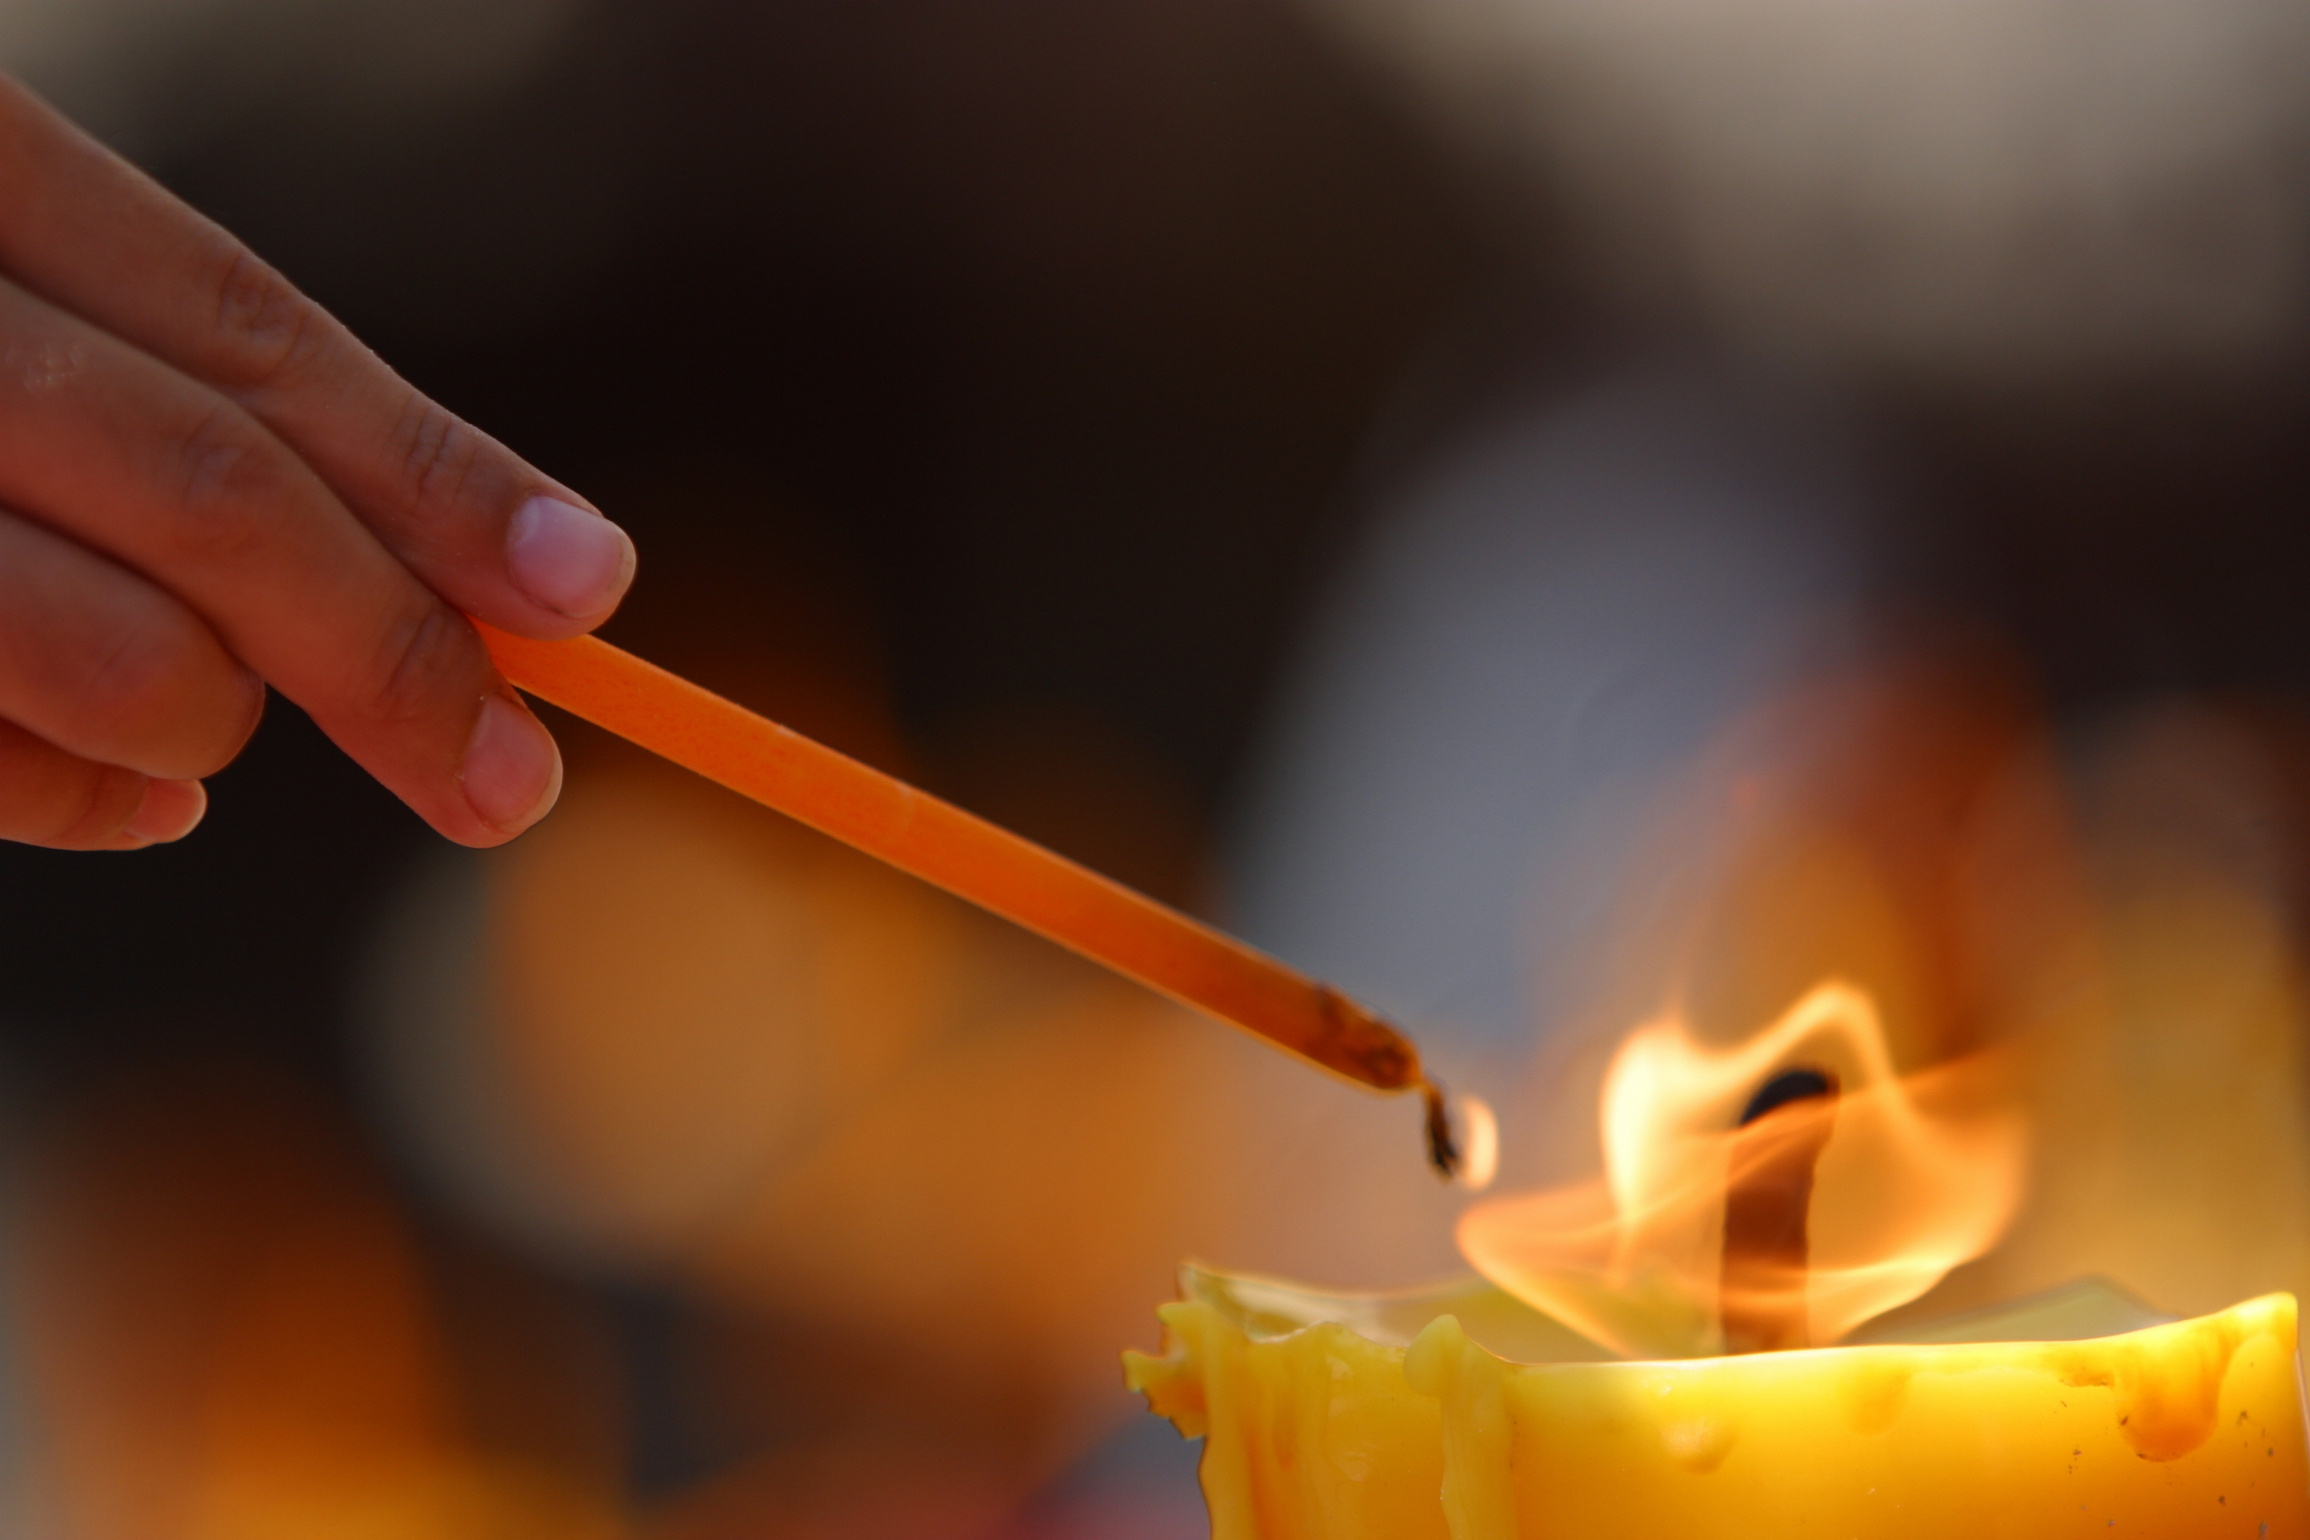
[207,485]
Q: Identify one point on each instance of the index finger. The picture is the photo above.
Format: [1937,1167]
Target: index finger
[478,525]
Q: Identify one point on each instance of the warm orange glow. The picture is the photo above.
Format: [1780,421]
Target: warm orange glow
[234,1337]
[1917,1175]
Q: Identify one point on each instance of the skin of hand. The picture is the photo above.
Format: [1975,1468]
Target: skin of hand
[208,486]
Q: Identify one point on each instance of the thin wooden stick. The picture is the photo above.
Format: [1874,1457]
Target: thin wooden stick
[973,859]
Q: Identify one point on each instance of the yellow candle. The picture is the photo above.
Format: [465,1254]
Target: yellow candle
[1319,1432]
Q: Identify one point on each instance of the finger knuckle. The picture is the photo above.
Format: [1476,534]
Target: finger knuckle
[264,328]
[227,474]
[439,455]
[428,655]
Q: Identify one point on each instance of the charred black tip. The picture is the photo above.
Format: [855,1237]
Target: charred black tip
[1443,1149]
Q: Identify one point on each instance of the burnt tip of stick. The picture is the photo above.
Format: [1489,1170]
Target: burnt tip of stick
[1361,1044]
[1443,1148]
[1366,1047]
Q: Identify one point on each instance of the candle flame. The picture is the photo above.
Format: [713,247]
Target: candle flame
[1916,1174]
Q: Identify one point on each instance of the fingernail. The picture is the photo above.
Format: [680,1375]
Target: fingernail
[512,771]
[573,562]
[170,810]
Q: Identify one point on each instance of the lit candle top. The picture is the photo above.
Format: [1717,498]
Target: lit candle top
[1769,1196]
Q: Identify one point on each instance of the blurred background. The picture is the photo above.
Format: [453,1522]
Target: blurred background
[1529,508]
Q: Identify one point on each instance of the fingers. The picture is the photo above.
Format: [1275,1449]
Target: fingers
[89,233]
[106,666]
[49,797]
[103,443]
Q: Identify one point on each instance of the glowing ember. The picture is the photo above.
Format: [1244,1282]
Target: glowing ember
[1912,1176]
[1480,1155]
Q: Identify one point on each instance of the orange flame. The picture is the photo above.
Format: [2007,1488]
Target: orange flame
[1916,1175]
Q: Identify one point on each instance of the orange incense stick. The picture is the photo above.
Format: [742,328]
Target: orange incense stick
[971,858]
